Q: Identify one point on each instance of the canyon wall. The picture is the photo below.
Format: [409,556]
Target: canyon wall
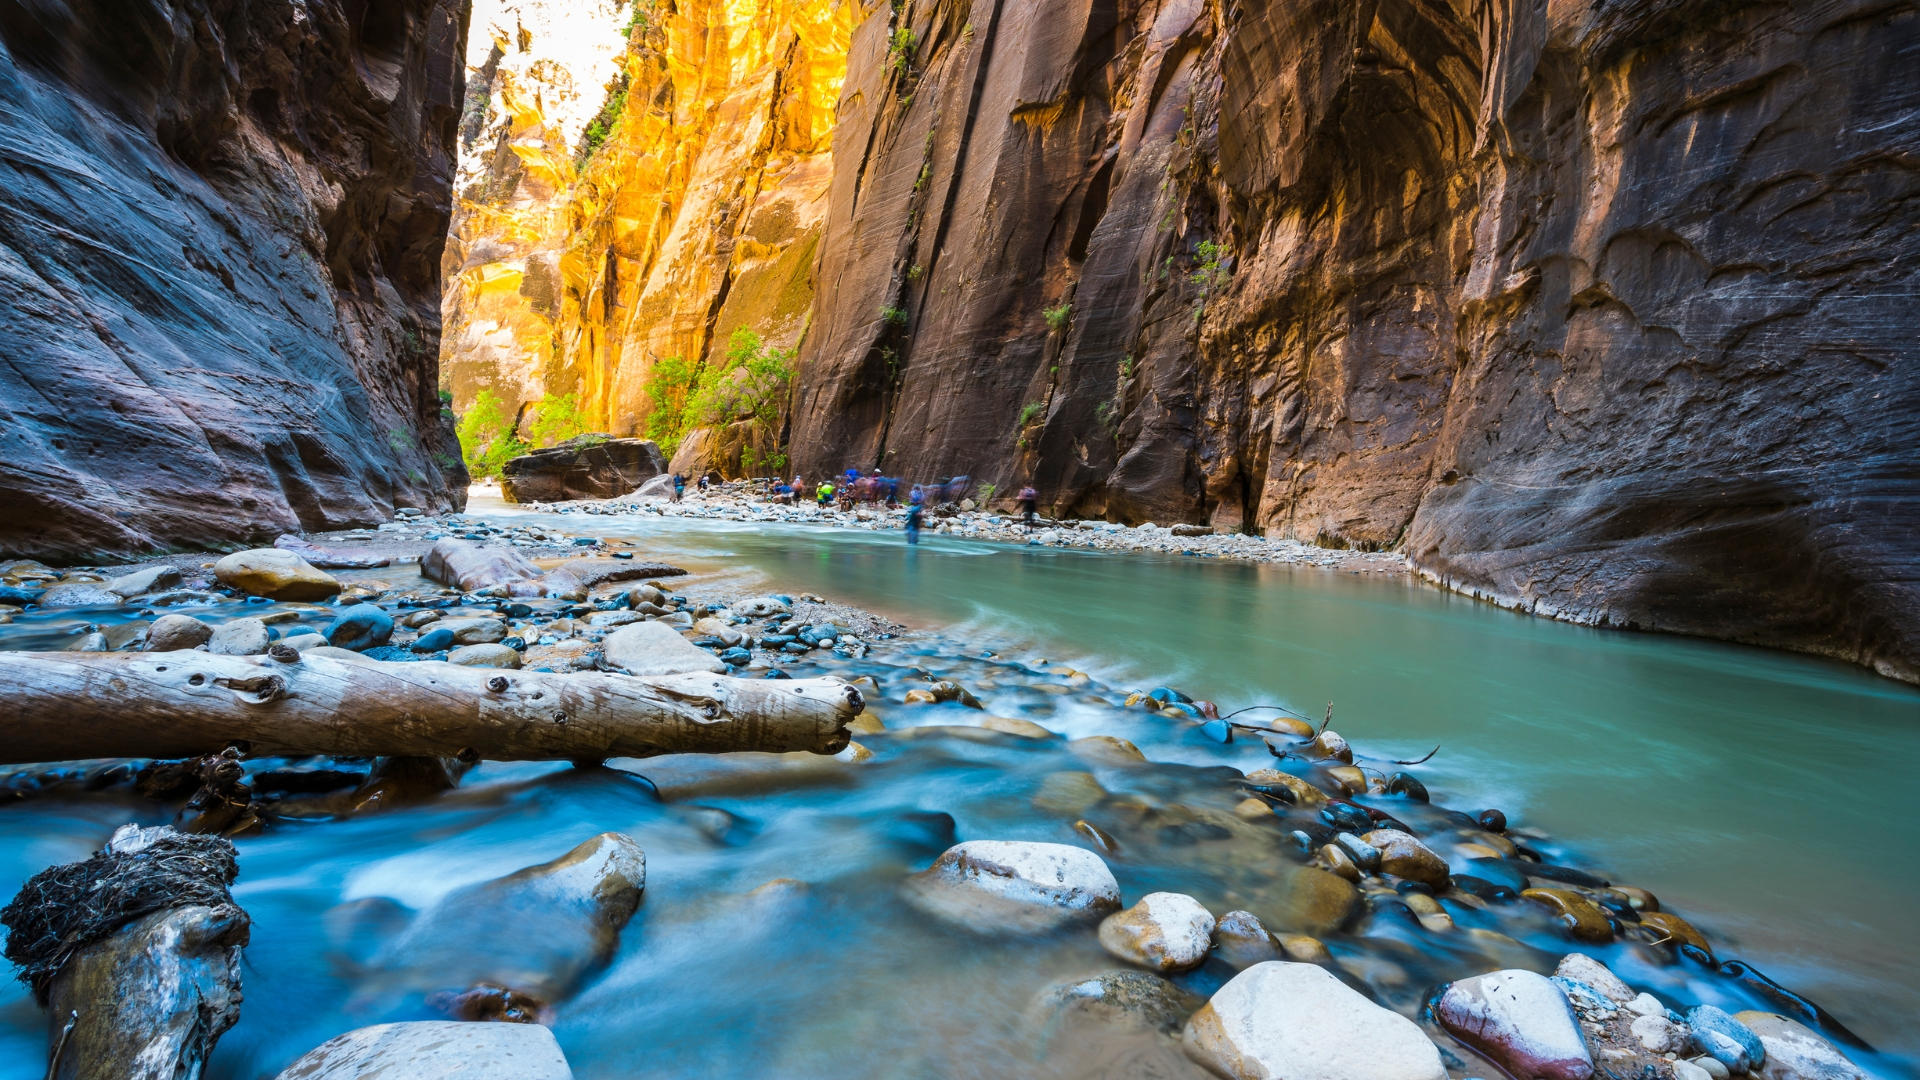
[1600,309]
[220,233]
[575,268]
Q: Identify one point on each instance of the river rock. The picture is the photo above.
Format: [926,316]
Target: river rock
[1582,917]
[728,634]
[333,558]
[1659,1034]
[1676,929]
[276,574]
[1715,1032]
[1583,968]
[1068,792]
[241,637]
[435,1050]
[536,931]
[1403,856]
[468,566]
[1691,1070]
[561,657]
[1106,750]
[1794,1051]
[610,619]
[360,627]
[475,631]
[485,655]
[1318,902]
[655,648]
[587,467]
[172,632]
[1126,999]
[78,594]
[1165,931]
[1015,886]
[1026,729]
[305,640]
[1304,794]
[142,582]
[1520,1021]
[1242,940]
[758,607]
[1282,1021]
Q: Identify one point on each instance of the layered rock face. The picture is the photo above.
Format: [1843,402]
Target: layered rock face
[220,235]
[574,269]
[1599,310]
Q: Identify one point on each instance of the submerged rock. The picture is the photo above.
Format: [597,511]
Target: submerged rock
[1165,931]
[1298,1022]
[654,648]
[435,1050]
[1520,1021]
[1404,856]
[1127,999]
[275,574]
[1317,901]
[537,931]
[1794,1051]
[1015,886]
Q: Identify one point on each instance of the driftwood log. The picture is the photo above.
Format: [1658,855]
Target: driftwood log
[69,705]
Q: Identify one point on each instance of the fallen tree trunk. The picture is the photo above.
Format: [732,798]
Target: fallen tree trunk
[65,706]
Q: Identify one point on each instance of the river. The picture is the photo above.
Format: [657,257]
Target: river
[1759,793]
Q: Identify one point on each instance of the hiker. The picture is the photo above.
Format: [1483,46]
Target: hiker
[679,486]
[824,494]
[916,511]
[1029,501]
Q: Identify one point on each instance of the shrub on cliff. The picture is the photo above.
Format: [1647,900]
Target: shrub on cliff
[487,436]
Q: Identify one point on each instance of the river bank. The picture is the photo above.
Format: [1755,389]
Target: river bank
[745,822]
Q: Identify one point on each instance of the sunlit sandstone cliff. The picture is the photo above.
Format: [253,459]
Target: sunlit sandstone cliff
[220,234]
[699,214]
[1601,310]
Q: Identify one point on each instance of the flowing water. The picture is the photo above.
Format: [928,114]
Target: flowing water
[1766,797]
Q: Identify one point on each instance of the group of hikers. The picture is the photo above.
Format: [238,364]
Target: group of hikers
[852,487]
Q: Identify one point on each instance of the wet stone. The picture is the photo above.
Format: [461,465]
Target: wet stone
[1299,1022]
[1520,1021]
[362,626]
[241,637]
[1794,1051]
[1242,940]
[1165,931]
[1012,886]
[1127,999]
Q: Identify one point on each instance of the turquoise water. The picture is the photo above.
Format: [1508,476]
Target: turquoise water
[1764,796]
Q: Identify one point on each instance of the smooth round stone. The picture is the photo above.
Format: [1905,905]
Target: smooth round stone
[1317,901]
[1016,886]
[1519,1020]
[1165,931]
[1406,857]
[1352,780]
[1106,750]
[1345,817]
[1492,820]
[419,619]
[241,637]
[1687,1070]
[436,640]
[485,655]
[921,697]
[303,642]
[1068,792]
[1273,781]
[362,626]
[1299,1022]
[275,574]
[1582,917]
[1329,744]
[1585,969]
[1363,854]
[1303,949]
[1339,862]
[1252,810]
[436,1048]
[1659,1034]
[170,633]
[1675,929]
[1242,940]
[1499,872]
[1026,729]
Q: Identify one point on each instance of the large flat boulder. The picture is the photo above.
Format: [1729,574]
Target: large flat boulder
[436,1050]
[586,468]
[275,574]
[469,566]
[655,648]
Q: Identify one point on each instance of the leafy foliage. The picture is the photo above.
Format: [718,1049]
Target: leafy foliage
[1059,317]
[749,383]
[556,420]
[601,126]
[487,436]
[893,316]
[900,49]
[1029,413]
[1211,273]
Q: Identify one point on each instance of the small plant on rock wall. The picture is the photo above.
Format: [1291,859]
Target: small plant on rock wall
[1059,317]
[1108,415]
[1126,366]
[1029,413]
[900,49]
[893,316]
[1212,272]
[983,494]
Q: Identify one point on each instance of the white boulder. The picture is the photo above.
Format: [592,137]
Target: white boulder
[1297,1022]
[1014,885]
[656,648]
[1165,931]
[1519,1020]
[1794,1052]
[436,1050]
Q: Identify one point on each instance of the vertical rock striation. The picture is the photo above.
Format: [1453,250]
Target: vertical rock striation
[220,235]
[1596,309]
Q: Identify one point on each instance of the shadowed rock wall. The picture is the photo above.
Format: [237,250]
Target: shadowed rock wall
[220,234]
[1596,308]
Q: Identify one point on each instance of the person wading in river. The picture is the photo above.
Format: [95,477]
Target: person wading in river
[679,486]
[824,494]
[1029,502]
[916,511]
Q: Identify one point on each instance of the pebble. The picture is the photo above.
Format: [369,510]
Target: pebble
[477,631]
[1687,1070]
[1026,729]
[1519,1020]
[438,639]
[1107,750]
[1363,854]
[1337,861]
[1242,940]
[1299,1022]
[1273,781]
[1715,1032]
[1658,1034]
[1675,929]
[1317,901]
[1403,856]
[78,594]
[1585,969]
[142,582]
[1165,931]
[1582,917]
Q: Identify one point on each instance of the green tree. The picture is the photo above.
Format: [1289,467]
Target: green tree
[487,436]
[555,420]
[668,387]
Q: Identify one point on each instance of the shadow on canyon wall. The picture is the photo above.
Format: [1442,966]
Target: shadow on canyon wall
[220,235]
